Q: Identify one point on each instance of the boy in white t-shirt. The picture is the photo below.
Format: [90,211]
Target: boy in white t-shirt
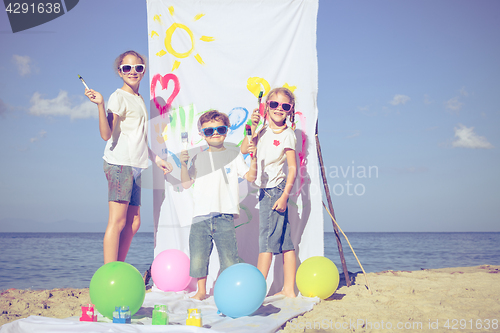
[214,173]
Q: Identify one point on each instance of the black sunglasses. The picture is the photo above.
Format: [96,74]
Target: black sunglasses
[209,131]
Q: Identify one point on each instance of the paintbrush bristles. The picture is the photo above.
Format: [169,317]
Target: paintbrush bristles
[184,139]
[83,81]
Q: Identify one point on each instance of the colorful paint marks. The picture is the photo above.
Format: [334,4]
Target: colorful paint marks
[184,119]
[157,18]
[237,117]
[164,82]
[303,150]
[160,130]
[188,34]
[257,84]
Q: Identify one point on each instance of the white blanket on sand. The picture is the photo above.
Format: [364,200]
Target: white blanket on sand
[274,312]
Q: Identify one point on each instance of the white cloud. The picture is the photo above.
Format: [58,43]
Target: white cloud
[23,64]
[463,92]
[62,105]
[399,99]
[466,138]
[427,99]
[454,104]
[355,134]
[365,110]
[40,136]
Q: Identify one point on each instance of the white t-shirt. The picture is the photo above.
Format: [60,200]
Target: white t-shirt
[216,184]
[128,144]
[271,156]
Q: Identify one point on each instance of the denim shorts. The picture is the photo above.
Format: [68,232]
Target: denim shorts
[219,229]
[122,185]
[274,228]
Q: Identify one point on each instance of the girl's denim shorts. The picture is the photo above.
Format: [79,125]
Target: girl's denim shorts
[122,184]
[274,228]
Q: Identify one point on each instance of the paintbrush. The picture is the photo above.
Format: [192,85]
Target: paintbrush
[262,108]
[184,138]
[260,99]
[83,81]
[86,86]
[248,128]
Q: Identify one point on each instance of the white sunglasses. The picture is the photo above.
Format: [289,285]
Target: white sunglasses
[139,68]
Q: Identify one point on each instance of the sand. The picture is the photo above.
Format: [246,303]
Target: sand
[439,300]
[56,303]
[465,299]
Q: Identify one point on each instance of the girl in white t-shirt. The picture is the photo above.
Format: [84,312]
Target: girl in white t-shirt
[124,127]
[275,146]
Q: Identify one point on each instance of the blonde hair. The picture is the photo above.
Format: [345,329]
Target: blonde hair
[119,59]
[291,97]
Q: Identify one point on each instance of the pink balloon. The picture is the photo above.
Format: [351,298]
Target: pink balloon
[170,270]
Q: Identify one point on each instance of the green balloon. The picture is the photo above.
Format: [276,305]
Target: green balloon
[117,284]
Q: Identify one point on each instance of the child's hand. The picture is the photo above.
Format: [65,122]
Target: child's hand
[252,149]
[280,204]
[94,96]
[165,166]
[255,117]
[184,157]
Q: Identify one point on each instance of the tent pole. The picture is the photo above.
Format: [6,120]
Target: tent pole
[330,206]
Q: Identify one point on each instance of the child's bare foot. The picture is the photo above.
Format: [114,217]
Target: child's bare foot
[286,293]
[199,296]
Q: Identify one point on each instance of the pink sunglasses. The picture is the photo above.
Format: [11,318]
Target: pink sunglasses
[274,105]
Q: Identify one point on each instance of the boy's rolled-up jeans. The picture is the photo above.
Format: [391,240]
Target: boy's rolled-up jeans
[219,229]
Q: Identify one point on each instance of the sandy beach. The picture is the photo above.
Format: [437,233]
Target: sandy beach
[55,303]
[437,300]
[465,299]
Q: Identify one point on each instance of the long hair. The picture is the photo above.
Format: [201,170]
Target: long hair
[291,97]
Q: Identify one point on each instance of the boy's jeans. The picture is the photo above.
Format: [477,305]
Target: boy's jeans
[218,229]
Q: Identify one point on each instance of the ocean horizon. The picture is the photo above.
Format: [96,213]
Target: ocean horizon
[48,260]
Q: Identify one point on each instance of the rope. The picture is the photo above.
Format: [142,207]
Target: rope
[347,239]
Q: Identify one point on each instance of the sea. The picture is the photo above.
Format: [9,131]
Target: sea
[57,260]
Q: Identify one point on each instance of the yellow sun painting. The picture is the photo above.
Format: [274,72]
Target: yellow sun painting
[169,33]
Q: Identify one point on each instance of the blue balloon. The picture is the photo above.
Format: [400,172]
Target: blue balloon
[240,290]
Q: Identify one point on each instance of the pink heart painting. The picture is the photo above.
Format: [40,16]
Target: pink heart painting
[164,81]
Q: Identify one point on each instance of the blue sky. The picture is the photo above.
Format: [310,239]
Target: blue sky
[408,99]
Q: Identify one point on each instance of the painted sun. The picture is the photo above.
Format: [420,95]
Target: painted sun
[188,39]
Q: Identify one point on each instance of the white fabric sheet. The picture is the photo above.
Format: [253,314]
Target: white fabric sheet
[273,313]
[214,54]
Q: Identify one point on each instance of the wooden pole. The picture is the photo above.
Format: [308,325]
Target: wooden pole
[330,205]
